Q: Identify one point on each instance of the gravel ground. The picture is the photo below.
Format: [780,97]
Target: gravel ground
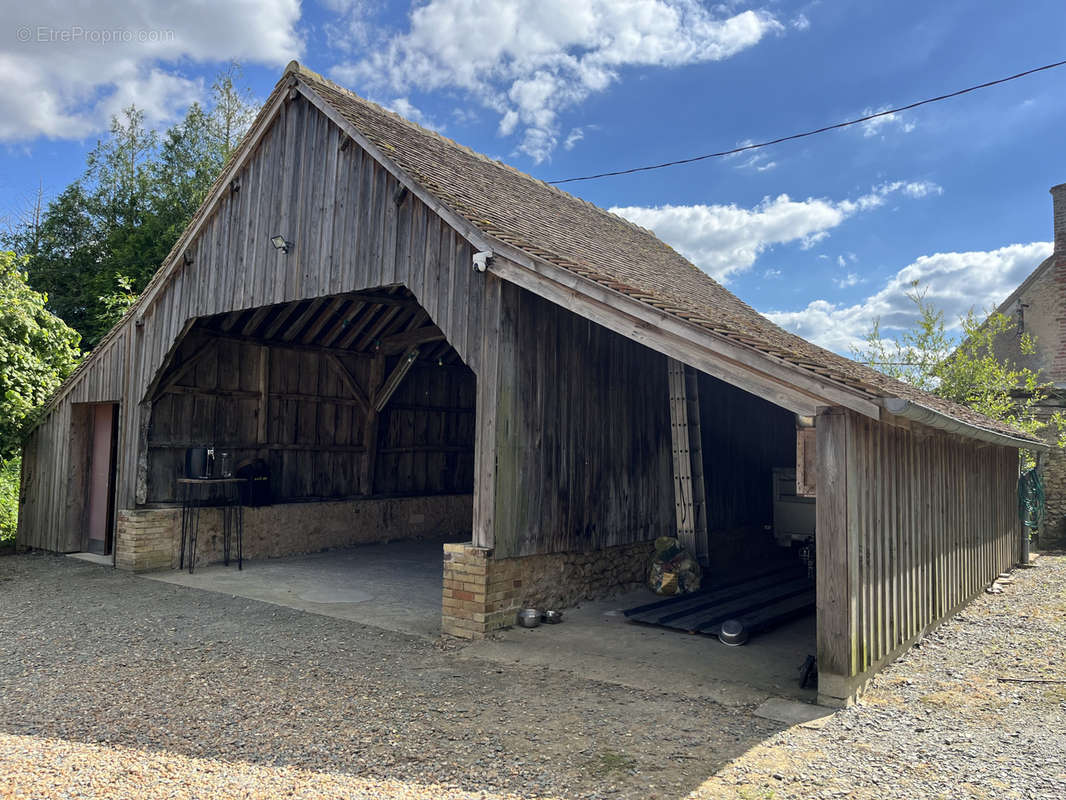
[939,723]
[115,686]
[112,685]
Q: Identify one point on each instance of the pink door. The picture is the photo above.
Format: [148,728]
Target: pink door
[100,478]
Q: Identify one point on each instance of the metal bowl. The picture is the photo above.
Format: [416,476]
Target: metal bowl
[733,633]
[529,618]
[553,617]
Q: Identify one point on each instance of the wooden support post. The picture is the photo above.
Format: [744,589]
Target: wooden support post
[689,487]
[494,444]
[399,372]
[144,425]
[370,426]
[263,408]
[350,383]
[836,637]
[806,461]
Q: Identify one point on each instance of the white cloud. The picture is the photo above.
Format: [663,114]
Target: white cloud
[530,61]
[769,274]
[849,280]
[953,282]
[725,240]
[878,126]
[572,138]
[69,68]
[752,159]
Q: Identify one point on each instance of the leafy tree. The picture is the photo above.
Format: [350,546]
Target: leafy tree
[37,350]
[9,498]
[232,113]
[968,371]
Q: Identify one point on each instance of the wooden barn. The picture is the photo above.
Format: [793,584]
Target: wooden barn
[400,337]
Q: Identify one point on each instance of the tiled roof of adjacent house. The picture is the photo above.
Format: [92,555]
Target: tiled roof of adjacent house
[554,226]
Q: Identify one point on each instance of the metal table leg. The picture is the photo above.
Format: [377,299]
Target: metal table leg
[183,497]
[194,528]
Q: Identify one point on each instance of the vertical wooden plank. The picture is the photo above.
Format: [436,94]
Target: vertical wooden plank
[484,522]
[837,635]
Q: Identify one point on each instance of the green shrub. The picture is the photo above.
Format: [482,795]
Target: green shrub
[9,498]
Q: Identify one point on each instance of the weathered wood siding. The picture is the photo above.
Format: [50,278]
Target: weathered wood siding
[582,434]
[307,182]
[314,427]
[912,523]
[744,438]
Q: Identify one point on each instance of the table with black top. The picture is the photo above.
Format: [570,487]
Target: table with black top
[195,493]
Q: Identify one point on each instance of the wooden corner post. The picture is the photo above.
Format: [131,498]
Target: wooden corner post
[835,554]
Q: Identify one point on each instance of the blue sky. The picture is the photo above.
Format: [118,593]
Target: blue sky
[824,235]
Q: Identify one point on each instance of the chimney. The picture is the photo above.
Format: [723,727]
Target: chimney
[1058,205]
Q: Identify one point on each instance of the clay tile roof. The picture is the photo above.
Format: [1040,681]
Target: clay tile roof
[572,233]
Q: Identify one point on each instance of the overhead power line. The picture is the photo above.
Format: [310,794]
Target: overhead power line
[866,118]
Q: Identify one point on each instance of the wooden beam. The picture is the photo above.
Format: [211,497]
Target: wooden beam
[313,308]
[280,345]
[150,390]
[256,320]
[370,427]
[323,318]
[399,372]
[187,366]
[262,409]
[350,383]
[283,315]
[382,299]
[364,338]
[398,342]
[343,322]
[183,444]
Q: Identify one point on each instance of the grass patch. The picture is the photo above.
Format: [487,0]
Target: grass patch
[608,762]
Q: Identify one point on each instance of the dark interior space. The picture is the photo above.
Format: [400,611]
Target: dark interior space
[333,398]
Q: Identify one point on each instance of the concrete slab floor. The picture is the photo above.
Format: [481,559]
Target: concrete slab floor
[93,558]
[396,586]
[596,641]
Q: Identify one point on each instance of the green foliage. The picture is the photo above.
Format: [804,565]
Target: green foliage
[37,350]
[968,372]
[96,245]
[9,499]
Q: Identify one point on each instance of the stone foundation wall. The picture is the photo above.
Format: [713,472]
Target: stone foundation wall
[482,594]
[1053,534]
[150,538]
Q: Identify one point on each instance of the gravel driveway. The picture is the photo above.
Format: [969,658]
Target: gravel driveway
[939,723]
[111,685]
[152,690]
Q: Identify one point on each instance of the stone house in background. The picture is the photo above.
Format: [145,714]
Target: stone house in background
[1039,307]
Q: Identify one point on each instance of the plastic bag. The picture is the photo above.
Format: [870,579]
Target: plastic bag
[673,571]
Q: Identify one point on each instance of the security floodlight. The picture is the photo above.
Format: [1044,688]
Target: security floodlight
[280,243]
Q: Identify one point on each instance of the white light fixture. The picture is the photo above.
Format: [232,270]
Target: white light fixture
[280,243]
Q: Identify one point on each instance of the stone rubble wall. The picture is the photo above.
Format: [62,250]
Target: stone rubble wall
[150,538]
